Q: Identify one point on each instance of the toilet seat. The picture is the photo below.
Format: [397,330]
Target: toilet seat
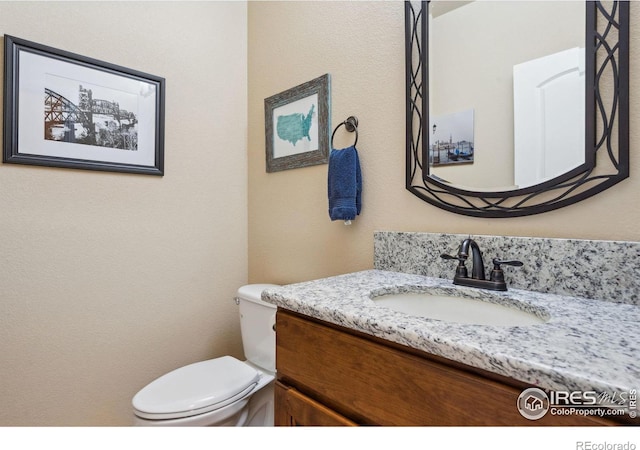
[196,389]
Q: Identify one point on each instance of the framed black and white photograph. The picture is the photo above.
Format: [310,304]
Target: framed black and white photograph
[66,110]
[297,126]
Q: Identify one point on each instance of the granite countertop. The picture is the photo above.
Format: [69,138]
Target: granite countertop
[585,344]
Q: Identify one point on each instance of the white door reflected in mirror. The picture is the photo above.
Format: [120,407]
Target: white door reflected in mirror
[548,115]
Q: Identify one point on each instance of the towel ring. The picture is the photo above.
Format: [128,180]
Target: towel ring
[351,124]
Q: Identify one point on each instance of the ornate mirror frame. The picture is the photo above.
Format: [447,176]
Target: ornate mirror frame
[606,122]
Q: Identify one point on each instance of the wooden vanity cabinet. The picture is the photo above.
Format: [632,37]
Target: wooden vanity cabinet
[330,375]
[296,409]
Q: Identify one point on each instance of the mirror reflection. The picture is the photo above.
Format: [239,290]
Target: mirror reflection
[507,92]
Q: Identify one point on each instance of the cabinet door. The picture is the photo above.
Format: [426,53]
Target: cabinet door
[295,409]
[375,384]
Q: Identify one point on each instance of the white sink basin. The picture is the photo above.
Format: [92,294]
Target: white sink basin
[457,309]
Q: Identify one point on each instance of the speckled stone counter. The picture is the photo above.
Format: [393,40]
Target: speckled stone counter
[600,270]
[585,344]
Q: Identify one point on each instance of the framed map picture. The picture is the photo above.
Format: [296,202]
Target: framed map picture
[297,126]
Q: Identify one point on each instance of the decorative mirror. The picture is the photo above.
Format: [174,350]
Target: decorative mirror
[515,107]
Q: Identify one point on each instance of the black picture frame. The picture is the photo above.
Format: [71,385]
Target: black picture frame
[307,107]
[97,115]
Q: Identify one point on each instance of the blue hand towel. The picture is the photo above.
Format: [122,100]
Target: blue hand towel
[345,184]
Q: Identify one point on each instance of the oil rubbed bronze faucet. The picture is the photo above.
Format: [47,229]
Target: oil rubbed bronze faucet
[496,280]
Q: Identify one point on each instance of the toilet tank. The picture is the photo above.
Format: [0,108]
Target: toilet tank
[257,319]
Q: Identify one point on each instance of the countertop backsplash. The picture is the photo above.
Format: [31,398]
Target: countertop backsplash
[594,269]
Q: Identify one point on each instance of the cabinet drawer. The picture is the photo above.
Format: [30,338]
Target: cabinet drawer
[295,409]
[372,383]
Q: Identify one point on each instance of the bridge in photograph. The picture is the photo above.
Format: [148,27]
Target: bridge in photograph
[61,115]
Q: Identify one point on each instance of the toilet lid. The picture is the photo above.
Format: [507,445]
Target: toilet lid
[195,389]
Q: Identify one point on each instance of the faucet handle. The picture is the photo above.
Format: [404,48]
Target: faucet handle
[497,262]
[461,270]
[497,275]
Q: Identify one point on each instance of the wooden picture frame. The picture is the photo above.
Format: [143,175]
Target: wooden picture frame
[297,126]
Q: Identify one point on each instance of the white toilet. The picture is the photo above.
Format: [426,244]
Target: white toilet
[222,391]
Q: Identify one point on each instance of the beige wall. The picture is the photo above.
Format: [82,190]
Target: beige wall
[361,44]
[108,280]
